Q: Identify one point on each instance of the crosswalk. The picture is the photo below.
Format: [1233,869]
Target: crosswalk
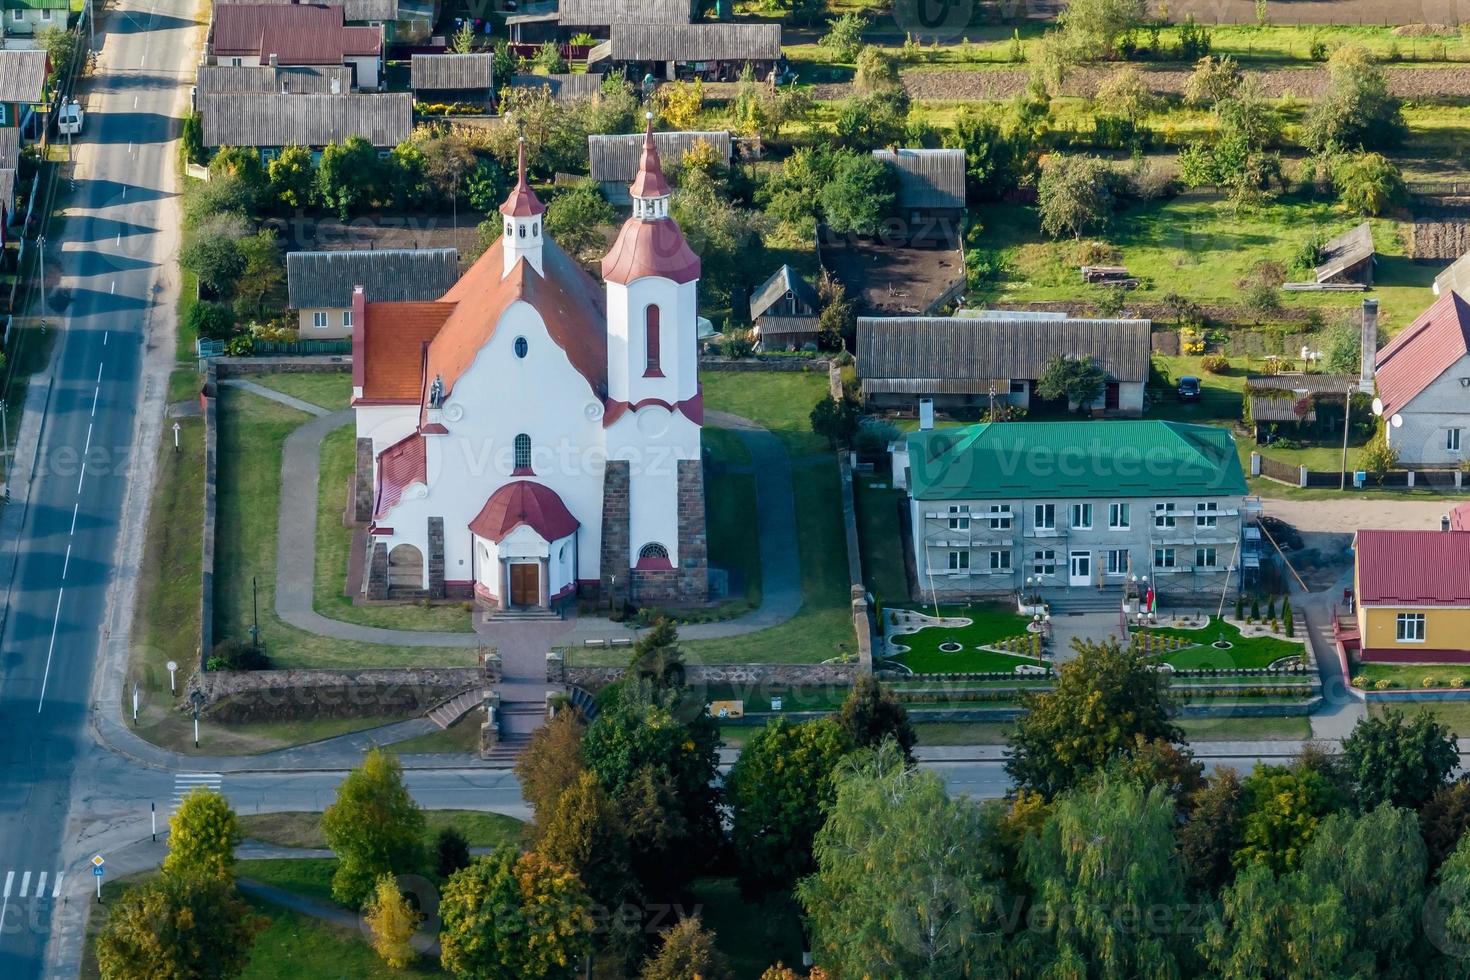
[18,884]
[186,782]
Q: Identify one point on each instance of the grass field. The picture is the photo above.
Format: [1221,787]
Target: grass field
[331,391]
[730,514]
[880,538]
[992,622]
[781,401]
[298,829]
[1246,652]
[462,736]
[1413,675]
[1455,715]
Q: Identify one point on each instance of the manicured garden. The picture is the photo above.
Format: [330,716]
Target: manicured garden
[1411,676]
[990,622]
[1244,653]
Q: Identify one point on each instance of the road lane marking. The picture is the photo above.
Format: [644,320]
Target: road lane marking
[104,337]
[66,563]
[74,508]
[89,439]
[25,884]
[5,906]
[135,102]
[41,885]
[56,888]
[9,878]
[119,238]
[49,651]
[99,370]
[81,476]
[97,390]
[112,289]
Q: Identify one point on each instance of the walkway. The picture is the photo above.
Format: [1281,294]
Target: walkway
[279,397]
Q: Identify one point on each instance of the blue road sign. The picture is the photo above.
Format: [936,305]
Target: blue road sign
[97,871]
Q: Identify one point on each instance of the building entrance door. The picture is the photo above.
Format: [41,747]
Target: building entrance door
[525,584]
[1080,568]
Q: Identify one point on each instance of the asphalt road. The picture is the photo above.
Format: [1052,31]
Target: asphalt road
[112,253]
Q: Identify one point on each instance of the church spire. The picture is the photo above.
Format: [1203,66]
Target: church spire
[523,202]
[650,191]
[522,211]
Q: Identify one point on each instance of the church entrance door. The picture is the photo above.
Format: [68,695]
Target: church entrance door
[525,584]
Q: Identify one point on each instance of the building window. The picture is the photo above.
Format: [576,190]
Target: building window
[1117,561]
[523,453]
[1206,514]
[536,230]
[509,229]
[521,346]
[651,368]
[46,15]
[1163,557]
[1164,515]
[17,16]
[319,319]
[521,232]
[1018,386]
[1044,562]
[959,561]
[1082,517]
[1411,628]
[651,550]
[347,319]
[1205,558]
[1045,517]
[1118,516]
[1000,517]
[959,517]
[1452,440]
[1000,561]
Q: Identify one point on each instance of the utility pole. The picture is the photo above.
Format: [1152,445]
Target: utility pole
[1347,414]
[41,244]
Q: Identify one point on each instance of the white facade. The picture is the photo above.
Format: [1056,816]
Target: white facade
[1436,422]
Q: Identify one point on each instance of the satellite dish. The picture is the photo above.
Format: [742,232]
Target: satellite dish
[1378,406]
[1396,420]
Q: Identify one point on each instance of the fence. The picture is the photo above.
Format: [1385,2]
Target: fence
[1442,481]
[294,348]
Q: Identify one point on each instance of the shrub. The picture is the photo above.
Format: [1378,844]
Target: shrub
[1382,684]
[210,321]
[1215,364]
[1271,607]
[237,655]
[1368,184]
[1359,681]
[1239,608]
[1191,341]
[1430,681]
[1457,682]
[737,344]
[1255,609]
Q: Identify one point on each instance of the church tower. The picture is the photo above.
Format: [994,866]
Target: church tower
[522,211]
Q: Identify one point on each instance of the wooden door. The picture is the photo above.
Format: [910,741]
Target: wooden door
[525,585]
[1110,397]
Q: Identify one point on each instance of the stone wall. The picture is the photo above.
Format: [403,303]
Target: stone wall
[291,695]
[616,532]
[362,485]
[693,533]
[791,364]
[749,675]
[233,367]
[436,558]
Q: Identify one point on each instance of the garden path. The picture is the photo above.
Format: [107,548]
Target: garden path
[276,396]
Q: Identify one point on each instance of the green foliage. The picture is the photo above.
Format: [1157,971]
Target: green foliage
[1400,762]
[1356,111]
[906,885]
[1368,183]
[657,659]
[463,41]
[1211,832]
[548,59]
[719,233]
[451,851]
[876,71]
[1342,347]
[1103,701]
[1378,457]
[574,218]
[211,250]
[210,321]
[202,836]
[997,159]
[584,833]
[860,196]
[261,287]
[1443,820]
[293,177]
[837,320]
[224,195]
[551,762]
[1447,911]
[61,47]
[836,420]
[191,136]
[1284,805]
[872,714]
[1290,927]
[844,37]
[1075,195]
[873,122]
[514,916]
[374,827]
[778,791]
[486,185]
[1080,380]
[688,953]
[243,164]
[347,176]
[1094,28]
[178,926]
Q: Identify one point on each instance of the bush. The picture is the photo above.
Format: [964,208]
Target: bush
[1457,682]
[1430,681]
[210,321]
[845,37]
[1368,184]
[1382,684]
[237,655]
[874,437]
[451,852]
[1191,342]
[1215,364]
[737,344]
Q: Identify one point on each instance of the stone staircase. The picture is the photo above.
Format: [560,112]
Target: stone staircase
[521,615]
[508,749]
[448,712]
[1083,599]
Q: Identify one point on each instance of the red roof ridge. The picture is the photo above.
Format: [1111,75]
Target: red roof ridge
[524,502]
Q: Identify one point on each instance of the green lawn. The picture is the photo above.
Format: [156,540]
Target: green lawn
[334,543]
[299,829]
[1455,715]
[461,737]
[724,446]
[1245,652]
[330,390]
[753,934]
[730,514]
[183,385]
[880,538]
[311,877]
[1413,675]
[992,622]
[1240,728]
[782,401]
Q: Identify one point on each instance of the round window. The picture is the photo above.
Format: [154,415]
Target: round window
[521,347]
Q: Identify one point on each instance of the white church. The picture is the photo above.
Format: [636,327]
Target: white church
[532,436]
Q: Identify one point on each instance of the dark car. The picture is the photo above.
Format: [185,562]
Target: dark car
[1189,389]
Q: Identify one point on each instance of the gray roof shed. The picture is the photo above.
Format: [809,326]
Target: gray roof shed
[390,275]
[306,120]
[927,179]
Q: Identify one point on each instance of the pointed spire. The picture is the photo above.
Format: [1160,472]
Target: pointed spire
[523,202]
[650,182]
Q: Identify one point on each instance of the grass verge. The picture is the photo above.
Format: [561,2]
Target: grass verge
[880,537]
[301,829]
[781,401]
[329,390]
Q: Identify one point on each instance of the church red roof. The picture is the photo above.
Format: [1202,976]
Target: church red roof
[400,466]
[650,247]
[523,202]
[524,502]
[650,181]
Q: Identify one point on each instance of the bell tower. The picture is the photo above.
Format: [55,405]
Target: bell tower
[522,212]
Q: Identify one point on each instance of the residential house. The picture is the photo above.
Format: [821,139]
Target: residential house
[784,311]
[1348,258]
[534,23]
[931,192]
[7,205]
[1456,277]
[271,80]
[1002,507]
[294,35]
[27,18]
[613,160]
[1423,377]
[319,285]
[1411,590]
[403,21]
[453,78]
[23,88]
[270,122]
[713,52]
[1285,402]
[970,361]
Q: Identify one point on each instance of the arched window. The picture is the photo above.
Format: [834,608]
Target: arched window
[509,229]
[523,231]
[651,368]
[521,347]
[653,550]
[523,453]
[536,230]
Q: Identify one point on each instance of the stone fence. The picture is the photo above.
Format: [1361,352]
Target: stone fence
[791,364]
[704,675]
[292,695]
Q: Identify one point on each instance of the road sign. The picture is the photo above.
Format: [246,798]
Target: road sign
[97,871]
[97,861]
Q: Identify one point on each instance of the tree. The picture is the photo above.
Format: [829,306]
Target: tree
[293,177]
[574,218]
[451,851]
[191,136]
[838,319]
[1211,833]
[1368,183]
[447,163]
[374,827]
[261,287]
[1401,762]
[872,122]
[1159,762]
[210,321]
[1094,27]
[584,833]
[1212,81]
[836,420]
[243,164]
[778,791]
[893,831]
[680,104]
[717,231]
[656,657]
[1447,910]
[548,60]
[514,916]
[392,922]
[211,250]
[688,953]
[1125,93]
[226,195]
[845,37]
[551,761]
[347,176]
[872,714]
[613,108]
[1378,457]
[61,46]
[1080,380]
[1075,195]
[1289,927]
[1284,805]
[860,196]
[1103,700]
[876,71]
[1443,820]
[202,836]
[404,182]
[1106,848]
[178,926]
[1356,111]
[997,159]
[463,41]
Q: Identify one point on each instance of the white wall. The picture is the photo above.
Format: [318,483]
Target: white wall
[1444,405]
[334,330]
[386,424]
[367,72]
[627,352]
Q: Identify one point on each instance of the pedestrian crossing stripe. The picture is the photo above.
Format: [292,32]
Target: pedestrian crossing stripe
[22,888]
[187,782]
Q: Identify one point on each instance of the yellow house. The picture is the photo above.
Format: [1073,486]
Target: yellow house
[1412,590]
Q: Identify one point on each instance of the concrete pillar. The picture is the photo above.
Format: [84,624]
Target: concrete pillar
[543,597]
[377,584]
[1255,463]
[436,558]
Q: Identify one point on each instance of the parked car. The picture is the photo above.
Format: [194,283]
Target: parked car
[69,119]
[1189,388]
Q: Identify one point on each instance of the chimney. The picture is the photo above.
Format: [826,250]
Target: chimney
[359,348]
[1370,346]
[926,414]
[275,59]
[336,85]
[1444,522]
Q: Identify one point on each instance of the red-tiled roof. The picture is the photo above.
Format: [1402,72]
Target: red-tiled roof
[297,34]
[393,339]
[1414,568]
[524,502]
[650,248]
[400,466]
[522,202]
[1427,348]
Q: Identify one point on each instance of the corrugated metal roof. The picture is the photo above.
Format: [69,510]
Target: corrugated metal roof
[1420,568]
[603,13]
[326,279]
[451,71]
[785,280]
[1047,460]
[1426,349]
[615,158]
[354,11]
[1264,408]
[265,80]
[1345,251]
[963,348]
[1456,277]
[297,34]
[9,148]
[777,325]
[37,4]
[7,191]
[695,42]
[581,86]
[306,120]
[23,75]
[927,178]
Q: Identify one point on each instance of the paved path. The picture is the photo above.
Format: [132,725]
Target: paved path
[280,397]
